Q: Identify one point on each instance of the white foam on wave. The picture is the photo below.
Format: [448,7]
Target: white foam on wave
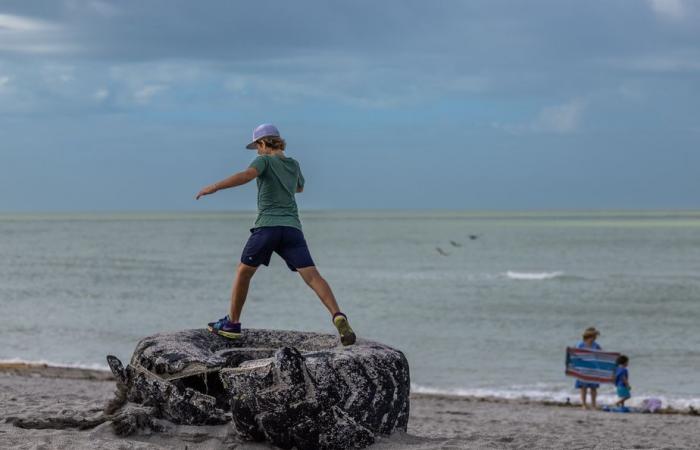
[437,275]
[545,392]
[70,365]
[533,276]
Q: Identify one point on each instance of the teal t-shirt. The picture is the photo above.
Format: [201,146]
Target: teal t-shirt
[278,180]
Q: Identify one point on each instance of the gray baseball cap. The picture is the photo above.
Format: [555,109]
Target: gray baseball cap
[261,131]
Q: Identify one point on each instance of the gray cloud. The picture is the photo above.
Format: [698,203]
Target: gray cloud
[99,56]
[367,54]
[500,75]
[560,119]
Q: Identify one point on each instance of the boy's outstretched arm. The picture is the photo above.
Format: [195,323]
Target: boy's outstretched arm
[234,180]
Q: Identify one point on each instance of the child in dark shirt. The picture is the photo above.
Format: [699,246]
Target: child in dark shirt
[622,380]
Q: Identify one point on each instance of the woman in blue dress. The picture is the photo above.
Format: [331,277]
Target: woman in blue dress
[589,337]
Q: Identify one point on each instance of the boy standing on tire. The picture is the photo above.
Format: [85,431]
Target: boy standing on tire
[277,229]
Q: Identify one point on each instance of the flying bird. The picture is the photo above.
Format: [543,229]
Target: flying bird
[455,244]
[441,251]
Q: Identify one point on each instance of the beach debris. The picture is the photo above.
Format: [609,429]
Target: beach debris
[135,418]
[117,369]
[455,244]
[441,251]
[72,419]
[651,405]
[289,388]
[119,399]
[616,409]
[125,421]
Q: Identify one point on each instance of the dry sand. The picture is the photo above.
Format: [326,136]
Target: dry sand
[437,422]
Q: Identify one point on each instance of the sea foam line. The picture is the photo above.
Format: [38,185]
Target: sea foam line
[556,395]
[533,276]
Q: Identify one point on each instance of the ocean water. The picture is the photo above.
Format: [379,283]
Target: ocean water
[484,316]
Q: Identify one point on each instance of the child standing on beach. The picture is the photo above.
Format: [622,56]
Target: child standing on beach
[277,229]
[622,380]
[588,342]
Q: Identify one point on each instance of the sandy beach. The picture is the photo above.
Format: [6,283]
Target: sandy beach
[38,402]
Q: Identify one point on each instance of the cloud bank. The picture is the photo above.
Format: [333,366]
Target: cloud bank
[96,80]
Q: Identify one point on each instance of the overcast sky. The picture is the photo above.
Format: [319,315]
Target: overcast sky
[135,105]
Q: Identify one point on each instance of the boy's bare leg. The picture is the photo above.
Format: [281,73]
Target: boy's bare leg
[584,405]
[244,273]
[594,394]
[320,287]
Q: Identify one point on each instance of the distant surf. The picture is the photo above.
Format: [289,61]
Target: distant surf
[534,276]
[542,392]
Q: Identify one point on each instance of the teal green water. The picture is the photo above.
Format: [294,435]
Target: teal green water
[489,316]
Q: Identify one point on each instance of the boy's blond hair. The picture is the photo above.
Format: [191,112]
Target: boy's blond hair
[274,142]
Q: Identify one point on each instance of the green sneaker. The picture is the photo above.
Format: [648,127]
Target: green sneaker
[347,336]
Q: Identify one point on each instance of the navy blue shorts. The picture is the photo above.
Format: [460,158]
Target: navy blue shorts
[288,242]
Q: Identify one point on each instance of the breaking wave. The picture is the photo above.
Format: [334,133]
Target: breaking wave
[533,276]
[542,392]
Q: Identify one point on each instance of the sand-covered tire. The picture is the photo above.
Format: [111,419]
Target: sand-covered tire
[290,388]
[334,398]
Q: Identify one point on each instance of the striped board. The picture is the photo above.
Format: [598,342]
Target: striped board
[591,365]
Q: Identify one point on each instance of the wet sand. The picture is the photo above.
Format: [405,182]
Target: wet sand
[30,393]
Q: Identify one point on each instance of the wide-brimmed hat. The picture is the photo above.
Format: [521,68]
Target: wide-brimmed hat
[261,131]
[591,332]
